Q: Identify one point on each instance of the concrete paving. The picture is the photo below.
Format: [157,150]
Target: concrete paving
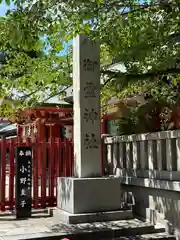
[42,226]
[154,236]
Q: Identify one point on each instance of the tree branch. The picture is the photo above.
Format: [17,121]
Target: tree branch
[53,95]
[108,80]
[140,76]
[29,94]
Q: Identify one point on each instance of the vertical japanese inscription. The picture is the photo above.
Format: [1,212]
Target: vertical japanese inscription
[86,91]
[90,115]
[23,182]
[89,65]
[90,141]
[89,90]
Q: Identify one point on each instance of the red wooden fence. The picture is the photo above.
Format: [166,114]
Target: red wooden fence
[50,160]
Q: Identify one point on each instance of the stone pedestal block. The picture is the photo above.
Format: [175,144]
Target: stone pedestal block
[88,195]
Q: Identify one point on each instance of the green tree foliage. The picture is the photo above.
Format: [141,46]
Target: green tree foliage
[32,70]
[142,35]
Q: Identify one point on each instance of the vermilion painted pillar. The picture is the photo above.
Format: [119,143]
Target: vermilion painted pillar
[41,137]
[19,131]
[104,125]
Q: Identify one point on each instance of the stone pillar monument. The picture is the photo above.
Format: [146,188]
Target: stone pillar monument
[82,196]
[87,120]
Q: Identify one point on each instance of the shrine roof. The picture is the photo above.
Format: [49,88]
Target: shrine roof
[69,100]
[9,127]
[55,100]
[52,105]
[8,130]
[2,124]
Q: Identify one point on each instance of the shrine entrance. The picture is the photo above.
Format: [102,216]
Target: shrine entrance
[48,130]
[46,124]
[45,173]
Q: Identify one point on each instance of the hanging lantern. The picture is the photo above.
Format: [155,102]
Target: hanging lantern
[68,132]
[23,131]
[35,130]
[29,130]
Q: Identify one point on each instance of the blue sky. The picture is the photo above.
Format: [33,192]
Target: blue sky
[4,8]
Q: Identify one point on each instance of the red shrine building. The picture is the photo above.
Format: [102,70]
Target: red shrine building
[42,123]
[45,122]
[48,120]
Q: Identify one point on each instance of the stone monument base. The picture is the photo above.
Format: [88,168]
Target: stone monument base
[90,199]
[70,218]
